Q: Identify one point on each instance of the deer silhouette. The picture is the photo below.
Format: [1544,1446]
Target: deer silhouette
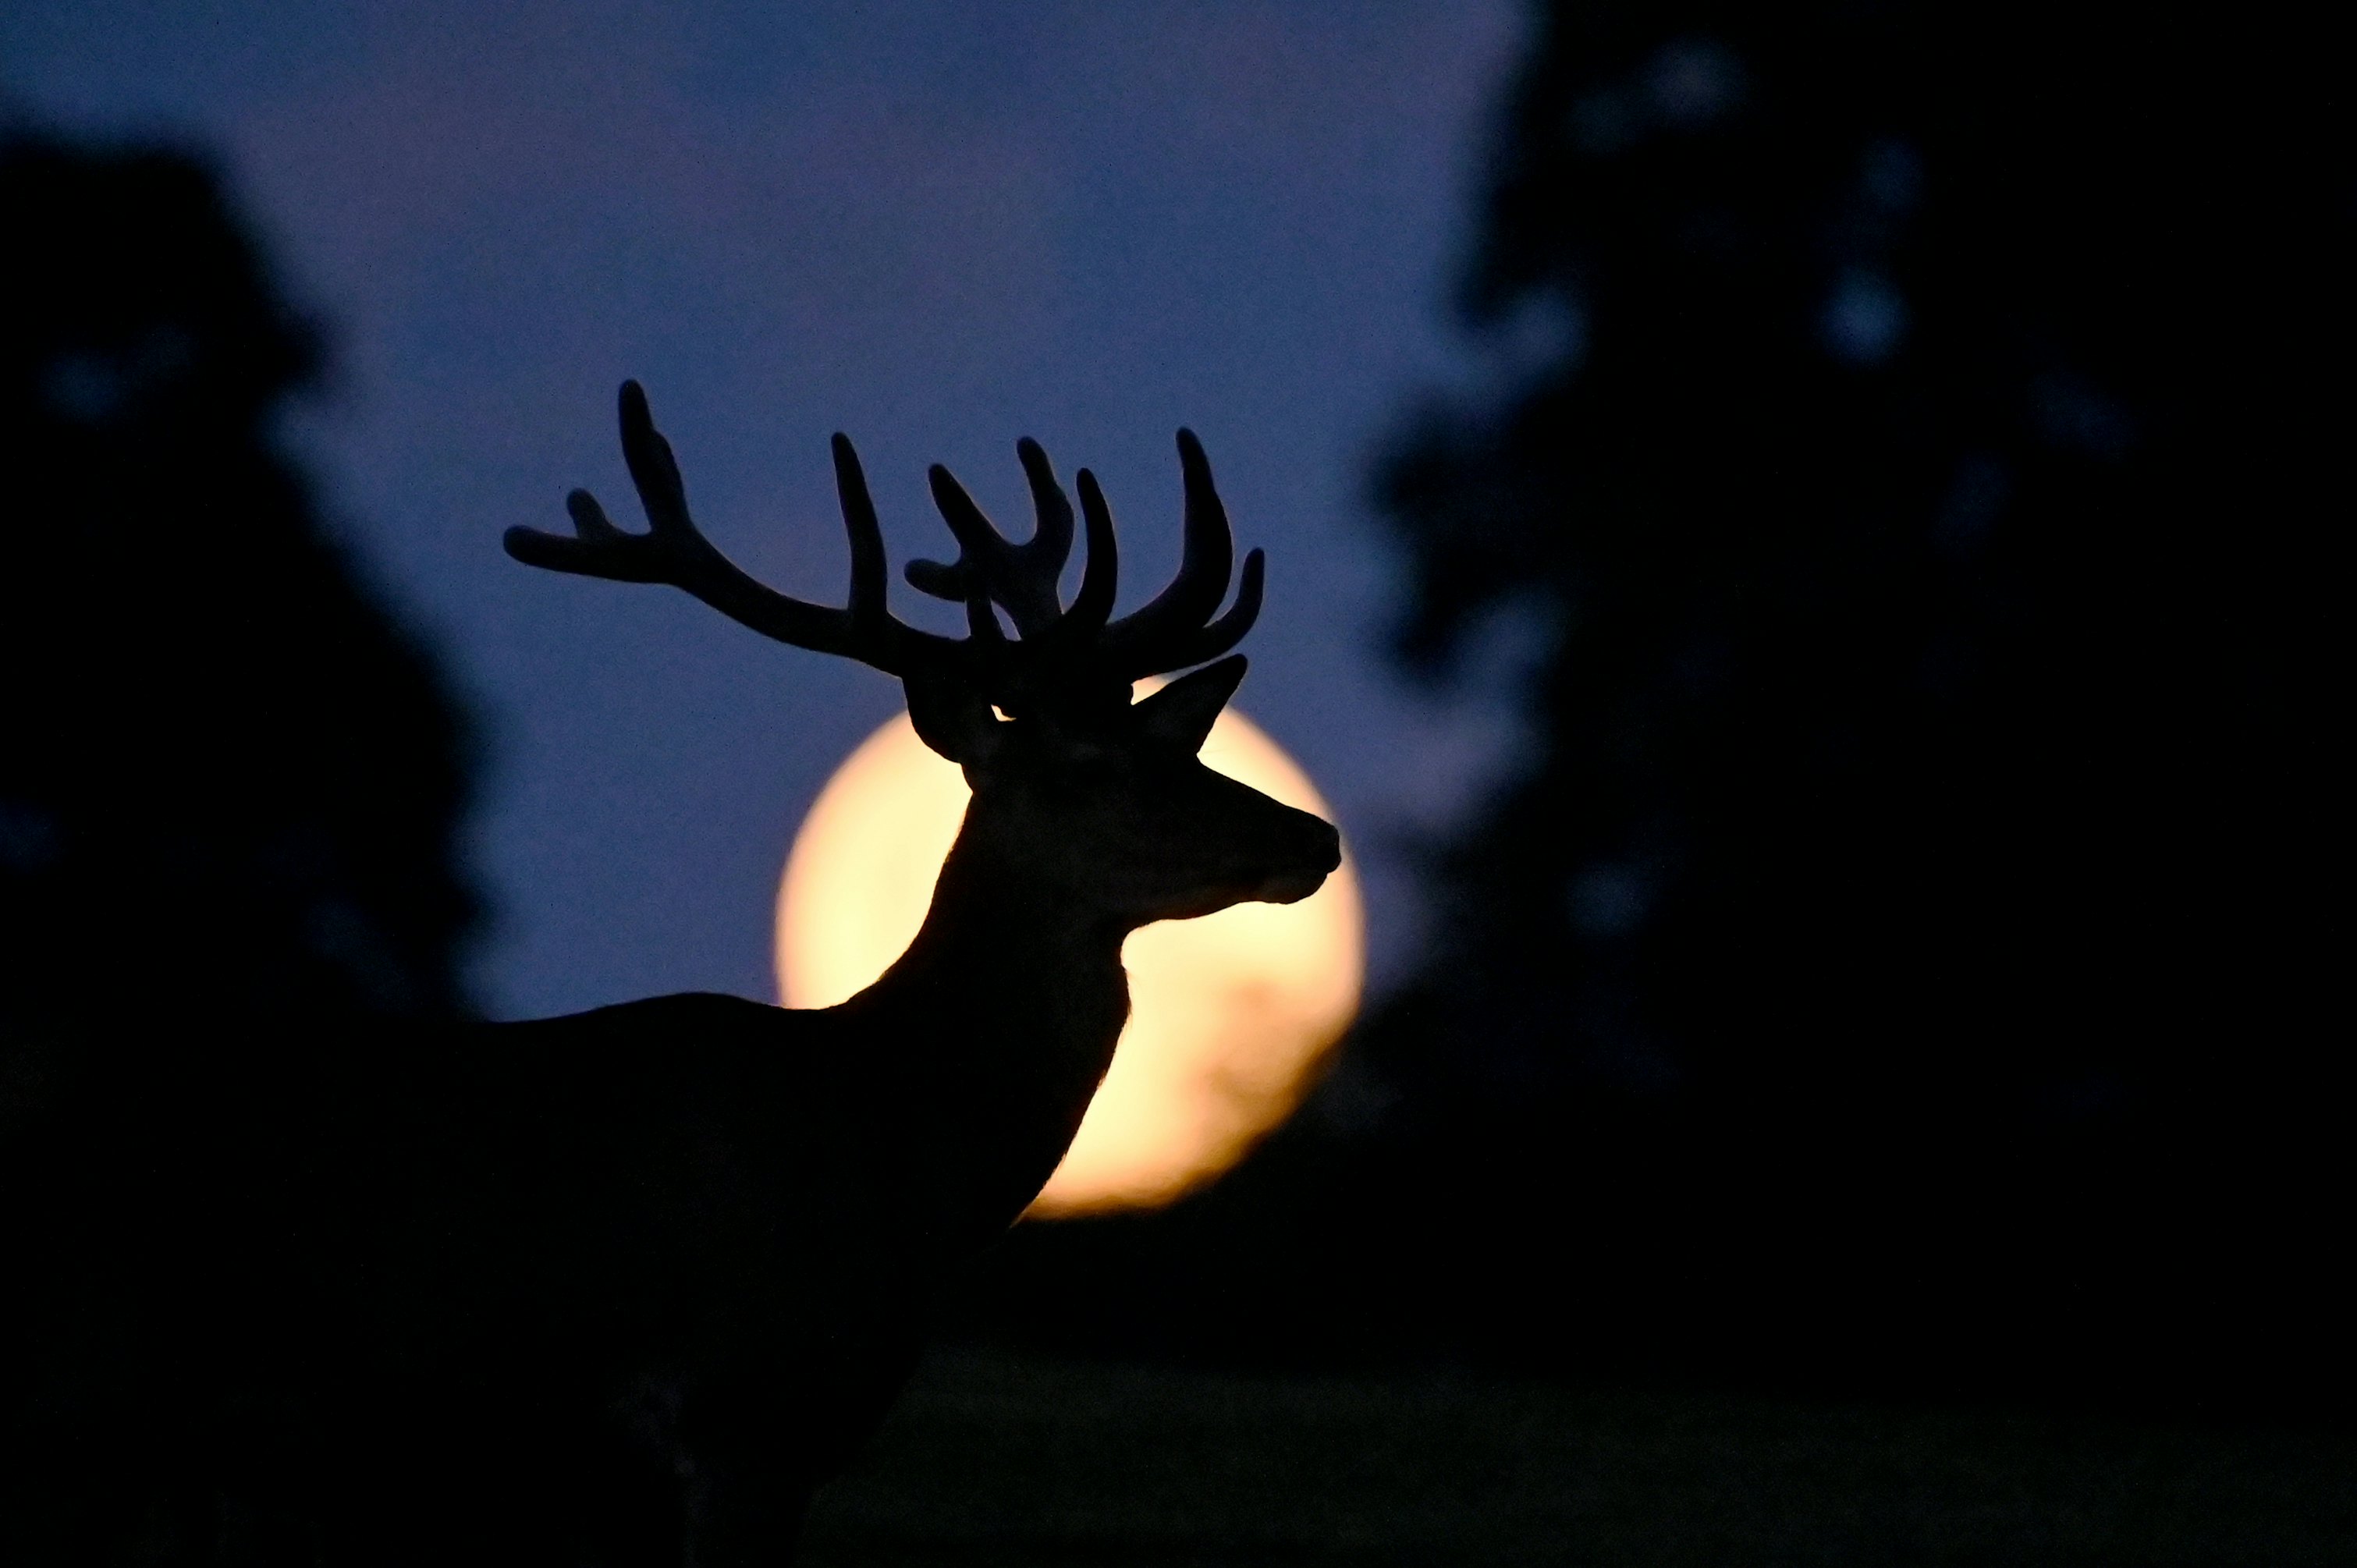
[818,1171]
[699,1234]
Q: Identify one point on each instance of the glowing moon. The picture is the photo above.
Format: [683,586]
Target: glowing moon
[1231,1015]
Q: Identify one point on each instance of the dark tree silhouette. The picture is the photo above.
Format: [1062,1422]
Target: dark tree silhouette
[231,782]
[1914,455]
[230,790]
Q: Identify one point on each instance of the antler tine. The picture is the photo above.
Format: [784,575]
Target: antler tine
[1021,577]
[1051,542]
[1083,623]
[1150,638]
[1203,644]
[873,625]
[674,550]
[987,561]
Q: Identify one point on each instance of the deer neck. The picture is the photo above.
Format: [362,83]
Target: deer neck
[1004,1014]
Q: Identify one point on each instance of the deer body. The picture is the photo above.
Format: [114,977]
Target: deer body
[621,1288]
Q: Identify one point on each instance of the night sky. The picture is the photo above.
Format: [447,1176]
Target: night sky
[937,228]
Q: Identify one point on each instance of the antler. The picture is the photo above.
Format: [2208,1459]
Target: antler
[1067,656]
[1021,577]
[1169,633]
[674,550]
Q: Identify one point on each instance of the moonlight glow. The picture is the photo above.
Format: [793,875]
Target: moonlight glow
[1230,1015]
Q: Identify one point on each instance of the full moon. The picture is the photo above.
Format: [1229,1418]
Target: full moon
[1231,1015]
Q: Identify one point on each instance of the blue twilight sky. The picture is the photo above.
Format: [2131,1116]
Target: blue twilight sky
[936,227]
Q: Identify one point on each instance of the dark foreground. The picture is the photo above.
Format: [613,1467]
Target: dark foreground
[992,1459]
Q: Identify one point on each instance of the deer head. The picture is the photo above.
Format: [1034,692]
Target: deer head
[1075,788]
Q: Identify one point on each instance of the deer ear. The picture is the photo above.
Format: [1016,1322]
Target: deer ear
[1182,712]
[952,718]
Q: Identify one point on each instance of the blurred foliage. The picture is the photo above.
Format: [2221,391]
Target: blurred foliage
[230,795]
[230,783]
[1913,438]
[1910,440]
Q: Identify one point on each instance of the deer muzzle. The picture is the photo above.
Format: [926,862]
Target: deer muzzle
[1319,852]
